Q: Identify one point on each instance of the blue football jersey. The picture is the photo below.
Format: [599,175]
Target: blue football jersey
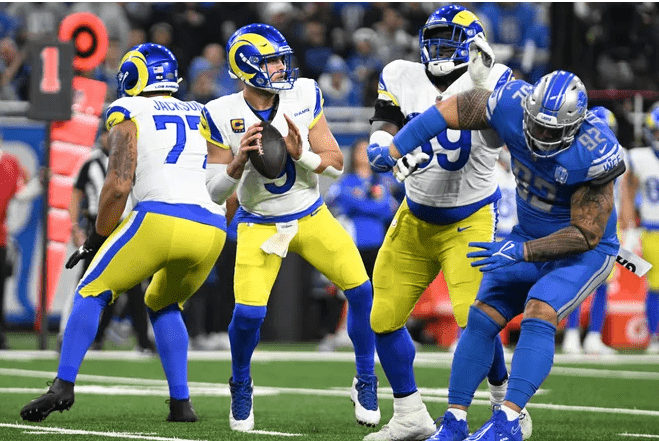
[545,185]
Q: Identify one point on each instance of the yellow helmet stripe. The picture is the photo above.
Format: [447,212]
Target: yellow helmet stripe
[464,18]
[260,42]
[232,61]
[138,59]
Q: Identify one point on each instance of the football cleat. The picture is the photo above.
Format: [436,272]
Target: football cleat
[449,428]
[411,422]
[59,397]
[498,428]
[241,414]
[181,411]
[364,395]
[593,344]
[653,347]
[572,342]
[526,424]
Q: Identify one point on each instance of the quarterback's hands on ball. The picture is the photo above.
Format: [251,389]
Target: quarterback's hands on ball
[379,158]
[406,165]
[496,254]
[293,139]
[251,140]
[481,60]
[88,249]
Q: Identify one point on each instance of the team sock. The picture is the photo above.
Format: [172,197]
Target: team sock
[532,361]
[244,334]
[79,333]
[598,309]
[474,354]
[652,311]
[396,352]
[574,319]
[171,337]
[360,301]
[498,372]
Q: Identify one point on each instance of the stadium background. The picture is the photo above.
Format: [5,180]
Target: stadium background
[611,46]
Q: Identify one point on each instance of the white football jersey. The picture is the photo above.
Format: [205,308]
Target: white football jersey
[461,167]
[645,166]
[507,205]
[224,122]
[171,153]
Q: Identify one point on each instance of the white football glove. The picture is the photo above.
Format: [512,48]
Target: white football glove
[481,60]
[406,165]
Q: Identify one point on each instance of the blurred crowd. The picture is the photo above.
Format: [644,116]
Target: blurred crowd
[344,45]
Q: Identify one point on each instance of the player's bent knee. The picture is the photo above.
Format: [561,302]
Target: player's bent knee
[384,320]
[491,312]
[540,310]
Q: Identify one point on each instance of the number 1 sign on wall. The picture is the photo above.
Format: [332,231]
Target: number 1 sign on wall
[50,83]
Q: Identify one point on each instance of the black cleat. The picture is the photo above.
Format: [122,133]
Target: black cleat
[59,397]
[181,411]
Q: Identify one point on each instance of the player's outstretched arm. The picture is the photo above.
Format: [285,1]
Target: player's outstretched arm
[120,175]
[325,157]
[464,111]
[591,207]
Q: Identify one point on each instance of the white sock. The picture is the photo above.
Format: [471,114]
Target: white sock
[511,415]
[459,414]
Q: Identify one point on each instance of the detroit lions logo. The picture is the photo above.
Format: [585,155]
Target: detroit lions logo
[560,174]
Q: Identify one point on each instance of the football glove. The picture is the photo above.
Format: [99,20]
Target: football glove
[406,165]
[379,158]
[86,250]
[496,254]
[481,60]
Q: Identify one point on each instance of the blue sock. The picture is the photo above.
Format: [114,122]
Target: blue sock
[396,352]
[498,372]
[598,309]
[474,355]
[360,301]
[244,334]
[532,361]
[80,332]
[171,337]
[652,310]
[574,318]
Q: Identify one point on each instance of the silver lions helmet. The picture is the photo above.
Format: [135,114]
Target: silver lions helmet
[553,113]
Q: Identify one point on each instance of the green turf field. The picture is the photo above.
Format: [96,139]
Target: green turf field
[303,394]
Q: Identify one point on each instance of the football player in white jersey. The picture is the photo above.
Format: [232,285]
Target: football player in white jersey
[282,214]
[451,192]
[643,178]
[173,233]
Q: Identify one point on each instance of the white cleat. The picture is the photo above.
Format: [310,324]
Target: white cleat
[653,347]
[242,405]
[411,422]
[593,344]
[526,424]
[572,342]
[364,395]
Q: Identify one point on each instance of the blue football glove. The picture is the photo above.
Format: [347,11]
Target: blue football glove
[379,158]
[496,254]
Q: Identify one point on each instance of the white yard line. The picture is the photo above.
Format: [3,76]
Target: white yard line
[122,435]
[159,388]
[423,359]
[639,435]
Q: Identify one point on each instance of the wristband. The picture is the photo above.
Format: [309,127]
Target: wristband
[309,160]
[420,130]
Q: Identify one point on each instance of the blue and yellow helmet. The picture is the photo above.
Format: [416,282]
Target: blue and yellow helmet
[651,128]
[249,50]
[147,67]
[444,39]
[607,116]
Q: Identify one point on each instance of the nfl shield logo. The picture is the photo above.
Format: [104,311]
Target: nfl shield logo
[560,175]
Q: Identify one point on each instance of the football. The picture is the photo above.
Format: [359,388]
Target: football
[270,159]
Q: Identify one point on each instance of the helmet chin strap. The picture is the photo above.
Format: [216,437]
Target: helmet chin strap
[440,68]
